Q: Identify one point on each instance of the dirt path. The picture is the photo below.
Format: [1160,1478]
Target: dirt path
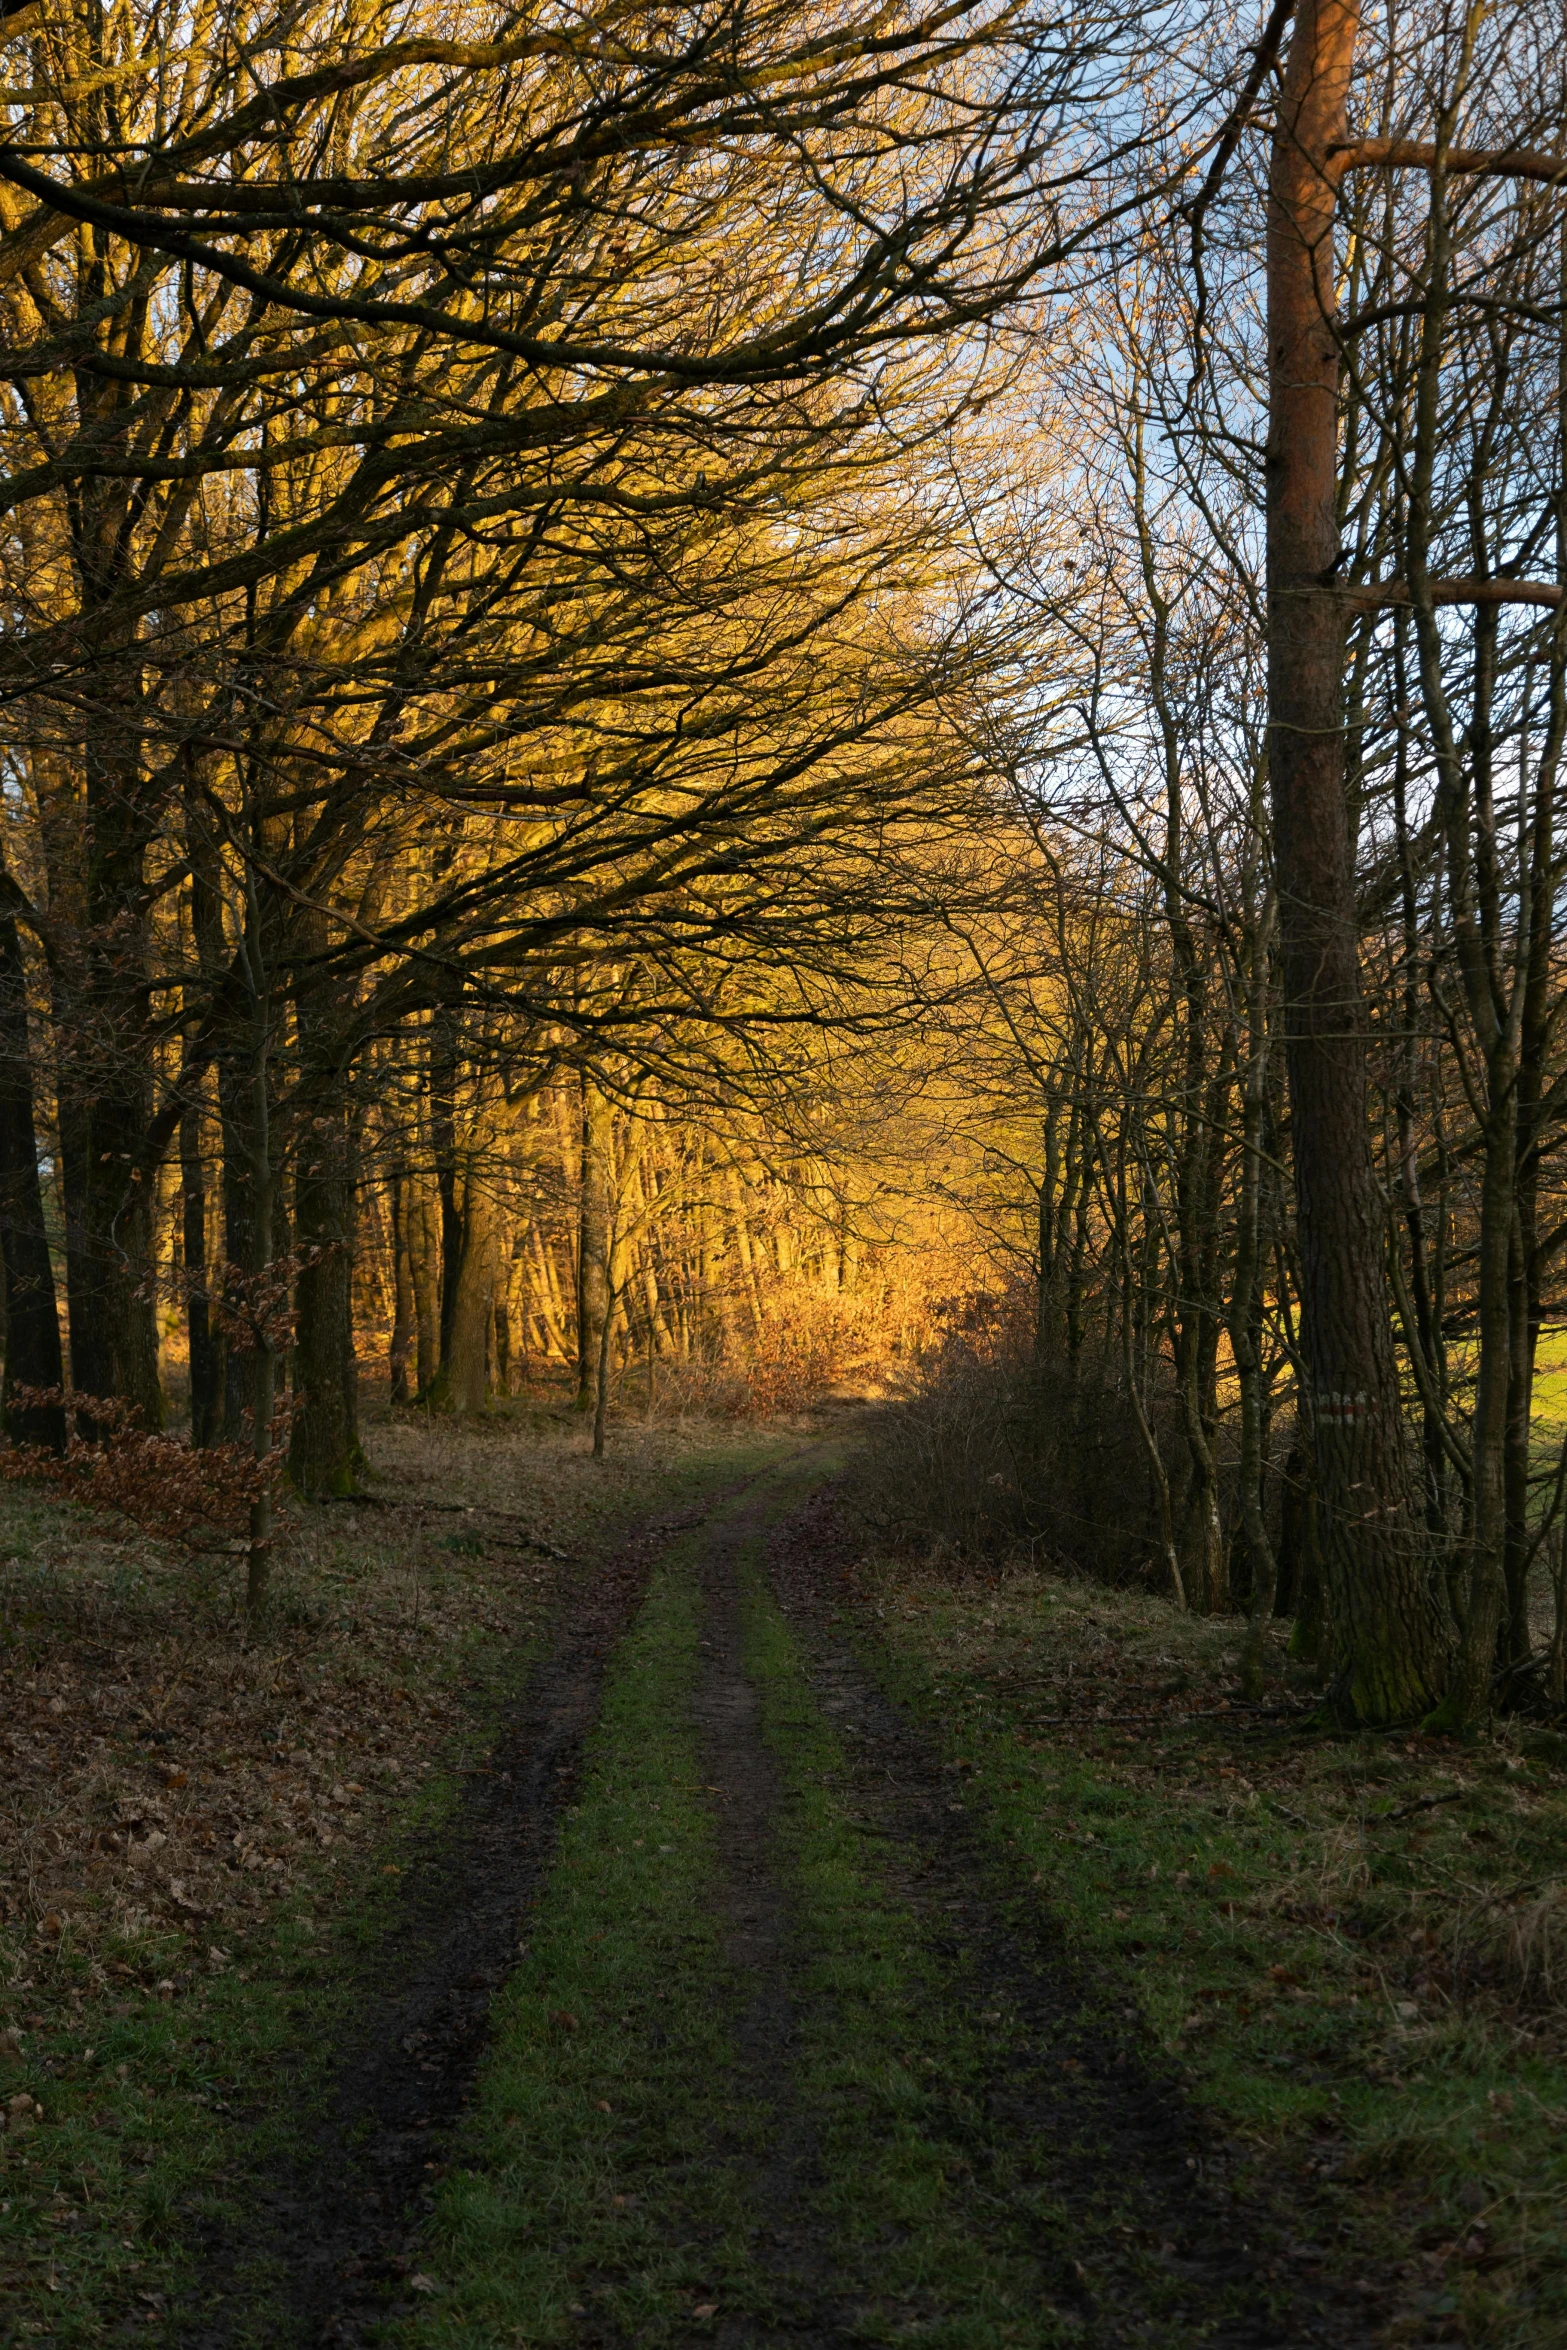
[323,2246]
[748,1790]
[1155,2215]
[1058,2143]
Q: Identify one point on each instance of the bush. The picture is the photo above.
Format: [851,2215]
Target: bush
[990,1448]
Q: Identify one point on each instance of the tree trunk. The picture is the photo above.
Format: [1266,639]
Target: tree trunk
[261,1358]
[245,1169]
[1471,1698]
[1389,1662]
[1513,1646]
[106,1053]
[467,1358]
[601,1381]
[592,1241]
[205,1395]
[443,1139]
[324,1455]
[403,1311]
[422,1254]
[1246,1314]
[32,1325]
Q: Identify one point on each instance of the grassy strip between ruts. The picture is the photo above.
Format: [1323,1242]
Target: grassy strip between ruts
[617,2175]
[1348,1945]
[934,2229]
[592,2137]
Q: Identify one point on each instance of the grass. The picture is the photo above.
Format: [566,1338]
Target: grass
[632,2174]
[202,1838]
[597,2105]
[1353,1951]
[1352,1948]
[891,2061]
[619,2167]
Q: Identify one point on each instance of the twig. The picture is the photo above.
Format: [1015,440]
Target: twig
[1282,1811]
[1217,1713]
[1407,1811]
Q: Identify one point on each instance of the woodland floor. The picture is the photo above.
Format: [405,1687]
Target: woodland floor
[712,1935]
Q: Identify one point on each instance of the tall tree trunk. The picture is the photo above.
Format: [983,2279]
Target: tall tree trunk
[1246,1309]
[32,1325]
[468,1349]
[1389,1662]
[205,1366]
[324,1455]
[106,1061]
[423,1246]
[260,1360]
[246,1170]
[443,1139]
[1513,1646]
[403,1310]
[592,1240]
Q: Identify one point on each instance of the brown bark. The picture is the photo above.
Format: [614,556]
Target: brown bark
[32,1328]
[205,1398]
[443,1138]
[1387,1645]
[403,1310]
[592,1241]
[422,1249]
[468,1348]
[324,1455]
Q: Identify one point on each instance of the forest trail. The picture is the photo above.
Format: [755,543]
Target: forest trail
[803,2063]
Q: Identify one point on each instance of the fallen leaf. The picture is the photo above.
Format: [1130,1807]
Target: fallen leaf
[564,2017]
[422,2284]
[705,2309]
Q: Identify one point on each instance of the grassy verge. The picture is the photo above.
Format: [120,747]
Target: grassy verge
[165,2075]
[1357,1949]
[202,1841]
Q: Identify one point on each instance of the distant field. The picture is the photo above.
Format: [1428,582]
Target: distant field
[1550,1379]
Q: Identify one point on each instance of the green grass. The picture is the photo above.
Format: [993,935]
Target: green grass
[649,2217]
[631,2170]
[163,2109]
[891,2058]
[162,2101]
[593,2136]
[1315,1930]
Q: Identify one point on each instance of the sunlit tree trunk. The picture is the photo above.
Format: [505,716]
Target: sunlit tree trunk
[205,1398]
[468,1348]
[424,1258]
[403,1311]
[593,1216]
[443,1141]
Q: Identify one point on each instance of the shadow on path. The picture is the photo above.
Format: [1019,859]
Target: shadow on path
[319,2257]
